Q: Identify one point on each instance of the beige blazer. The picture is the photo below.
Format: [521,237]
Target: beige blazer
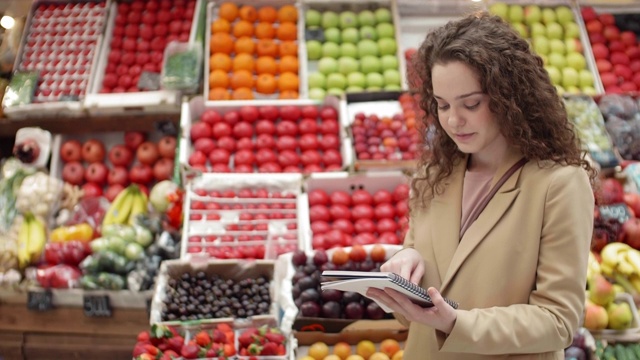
[519,272]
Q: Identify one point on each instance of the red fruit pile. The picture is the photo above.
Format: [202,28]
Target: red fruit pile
[360,217]
[262,341]
[267,139]
[141,32]
[617,53]
[153,162]
[61,44]
[166,343]
[246,220]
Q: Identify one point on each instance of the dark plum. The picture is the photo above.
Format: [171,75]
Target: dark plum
[374,311]
[295,291]
[306,283]
[351,296]
[310,309]
[299,258]
[310,269]
[298,276]
[320,258]
[328,266]
[310,294]
[331,295]
[353,310]
[367,265]
[331,310]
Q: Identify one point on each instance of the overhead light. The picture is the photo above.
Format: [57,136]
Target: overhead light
[476,0]
[7,22]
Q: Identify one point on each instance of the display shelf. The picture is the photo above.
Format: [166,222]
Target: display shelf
[76,125]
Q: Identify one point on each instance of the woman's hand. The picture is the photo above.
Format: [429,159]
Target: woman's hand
[407,263]
[440,316]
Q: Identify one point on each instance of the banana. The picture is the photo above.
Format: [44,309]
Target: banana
[635,282]
[625,268]
[606,269]
[593,267]
[610,253]
[37,239]
[625,283]
[122,203]
[23,242]
[139,207]
[633,258]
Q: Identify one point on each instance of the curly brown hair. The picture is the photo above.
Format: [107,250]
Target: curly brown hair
[531,115]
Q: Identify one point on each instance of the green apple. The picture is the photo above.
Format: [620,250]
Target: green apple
[576,61]
[354,89]
[336,80]
[532,14]
[554,74]
[367,47]
[545,59]
[516,14]
[387,46]
[564,15]
[571,30]
[327,65]
[369,64]
[521,29]
[330,19]
[589,90]
[347,65]
[574,90]
[557,46]
[554,30]
[330,49]
[391,77]
[357,79]
[317,94]
[541,45]
[348,49]
[375,80]
[392,87]
[312,18]
[548,15]
[560,90]
[389,62]
[537,29]
[573,45]
[557,60]
[314,49]
[333,35]
[570,77]
[385,30]
[335,92]
[500,9]
[585,78]
[366,18]
[348,19]
[368,32]
[383,15]
[350,35]
[317,80]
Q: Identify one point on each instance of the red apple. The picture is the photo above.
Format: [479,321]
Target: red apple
[91,190]
[211,117]
[118,175]
[197,158]
[93,151]
[631,230]
[309,112]
[96,173]
[73,173]
[219,156]
[71,150]
[120,155]
[167,147]
[204,145]
[147,153]
[249,114]
[611,191]
[141,174]
[200,130]
[163,169]
[328,112]
[113,191]
[133,139]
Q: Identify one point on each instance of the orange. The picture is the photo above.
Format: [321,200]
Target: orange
[289,64]
[288,94]
[265,30]
[288,48]
[288,81]
[266,84]
[228,11]
[355,357]
[248,13]
[267,14]
[241,78]
[267,47]
[398,356]
[342,349]
[288,14]
[266,65]
[365,348]
[389,346]
[220,25]
[245,45]
[219,94]
[242,28]
[242,93]
[221,42]
[318,350]
[339,256]
[287,31]
[379,356]
[218,78]
[243,62]
[220,61]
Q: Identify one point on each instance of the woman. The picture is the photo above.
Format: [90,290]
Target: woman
[519,271]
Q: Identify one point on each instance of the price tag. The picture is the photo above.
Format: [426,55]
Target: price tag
[40,300]
[97,306]
[167,128]
[619,212]
[314,34]
[607,159]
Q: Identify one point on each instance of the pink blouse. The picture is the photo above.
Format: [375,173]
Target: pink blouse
[476,186]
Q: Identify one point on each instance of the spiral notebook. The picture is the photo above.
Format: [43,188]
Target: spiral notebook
[360,281]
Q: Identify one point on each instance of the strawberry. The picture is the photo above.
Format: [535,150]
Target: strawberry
[163,347]
[254,349]
[159,333]
[190,351]
[246,338]
[269,348]
[151,350]
[143,336]
[218,337]
[203,339]
[281,350]
[139,349]
[169,355]
[145,357]
[212,353]
[175,343]
[275,337]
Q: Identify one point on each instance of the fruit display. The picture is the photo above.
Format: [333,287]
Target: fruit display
[615,350]
[60,42]
[106,164]
[212,291]
[555,36]
[615,49]
[235,217]
[253,51]
[352,48]
[622,121]
[387,349]
[31,240]
[136,40]
[262,342]
[265,139]
[357,210]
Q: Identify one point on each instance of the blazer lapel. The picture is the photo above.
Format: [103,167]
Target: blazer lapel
[494,211]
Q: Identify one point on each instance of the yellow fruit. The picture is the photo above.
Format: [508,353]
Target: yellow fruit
[389,347]
[379,356]
[332,357]
[398,355]
[342,349]
[365,348]
[318,351]
[355,357]
[307,357]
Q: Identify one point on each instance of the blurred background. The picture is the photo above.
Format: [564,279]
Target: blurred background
[13,14]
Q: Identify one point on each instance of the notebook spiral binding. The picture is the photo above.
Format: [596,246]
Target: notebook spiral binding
[417,290]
